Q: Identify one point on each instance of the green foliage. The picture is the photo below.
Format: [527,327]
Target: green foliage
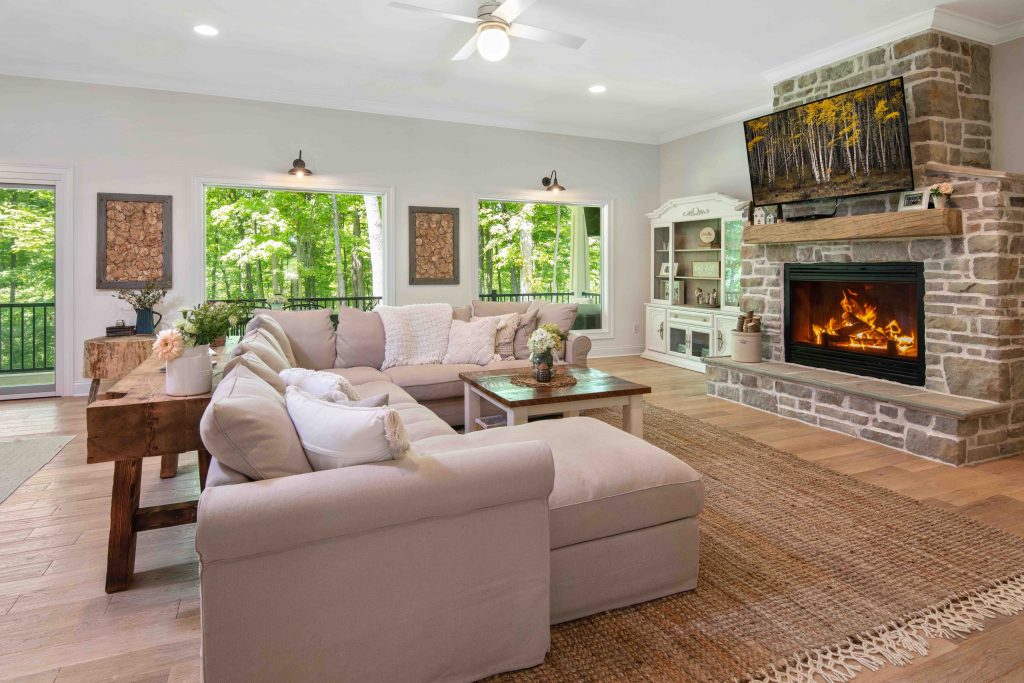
[147,297]
[526,247]
[26,245]
[264,242]
[206,322]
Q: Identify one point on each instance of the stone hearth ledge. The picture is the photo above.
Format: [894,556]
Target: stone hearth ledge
[952,429]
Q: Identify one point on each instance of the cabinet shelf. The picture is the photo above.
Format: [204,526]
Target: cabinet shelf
[713,249]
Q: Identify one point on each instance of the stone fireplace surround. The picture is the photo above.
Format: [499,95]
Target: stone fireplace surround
[972,406]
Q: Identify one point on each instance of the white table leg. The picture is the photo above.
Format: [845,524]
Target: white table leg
[471,409]
[516,416]
[633,416]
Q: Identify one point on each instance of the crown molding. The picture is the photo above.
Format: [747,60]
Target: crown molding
[329,102]
[715,122]
[976,29]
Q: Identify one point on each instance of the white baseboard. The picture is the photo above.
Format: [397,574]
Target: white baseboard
[81,387]
[614,351]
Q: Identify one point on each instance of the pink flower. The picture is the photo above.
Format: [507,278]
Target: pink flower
[169,345]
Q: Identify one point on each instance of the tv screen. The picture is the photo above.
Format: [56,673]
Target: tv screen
[849,144]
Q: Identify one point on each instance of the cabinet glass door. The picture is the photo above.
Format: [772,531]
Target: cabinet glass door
[677,340]
[732,238]
[700,343]
[662,265]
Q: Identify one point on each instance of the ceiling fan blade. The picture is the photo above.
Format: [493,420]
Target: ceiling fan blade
[439,13]
[543,35]
[510,9]
[467,50]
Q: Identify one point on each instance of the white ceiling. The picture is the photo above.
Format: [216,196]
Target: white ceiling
[671,66]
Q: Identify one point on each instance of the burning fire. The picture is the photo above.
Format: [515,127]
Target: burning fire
[858,329]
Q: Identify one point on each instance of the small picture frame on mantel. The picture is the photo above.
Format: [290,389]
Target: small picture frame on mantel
[913,200]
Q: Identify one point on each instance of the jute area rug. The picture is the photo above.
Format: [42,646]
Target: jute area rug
[805,575]
[21,458]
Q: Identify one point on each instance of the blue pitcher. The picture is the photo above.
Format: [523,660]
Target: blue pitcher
[144,323]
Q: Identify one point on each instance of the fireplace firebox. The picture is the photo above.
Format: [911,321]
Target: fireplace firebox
[861,318]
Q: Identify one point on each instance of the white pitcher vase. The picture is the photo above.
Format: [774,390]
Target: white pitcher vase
[190,373]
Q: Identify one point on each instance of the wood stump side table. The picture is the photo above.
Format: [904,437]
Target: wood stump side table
[112,358]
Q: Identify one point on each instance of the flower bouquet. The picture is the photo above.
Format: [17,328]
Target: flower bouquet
[143,300]
[940,193]
[186,347]
[543,343]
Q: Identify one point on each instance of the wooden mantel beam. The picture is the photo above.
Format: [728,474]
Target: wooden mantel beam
[893,224]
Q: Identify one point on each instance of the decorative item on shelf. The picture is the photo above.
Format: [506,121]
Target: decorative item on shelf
[714,297]
[708,269]
[666,269]
[708,237]
[746,339]
[299,167]
[133,240]
[770,216]
[277,302]
[550,182]
[433,246]
[940,193]
[186,348]
[913,200]
[119,329]
[678,292]
[698,294]
[759,215]
[543,343]
[143,300]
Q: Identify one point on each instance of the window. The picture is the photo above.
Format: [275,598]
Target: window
[550,252]
[312,249]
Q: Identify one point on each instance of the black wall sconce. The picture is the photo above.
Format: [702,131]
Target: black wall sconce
[551,182]
[299,167]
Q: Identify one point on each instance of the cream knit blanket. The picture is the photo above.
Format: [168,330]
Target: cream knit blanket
[415,335]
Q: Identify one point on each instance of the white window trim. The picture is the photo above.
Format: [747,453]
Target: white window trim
[200,184]
[607,330]
[62,180]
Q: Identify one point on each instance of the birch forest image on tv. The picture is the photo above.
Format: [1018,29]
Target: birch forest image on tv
[850,144]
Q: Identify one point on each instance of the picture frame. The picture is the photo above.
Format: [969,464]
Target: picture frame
[433,245]
[913,200]
[133,240]
[666,269]
[708,269]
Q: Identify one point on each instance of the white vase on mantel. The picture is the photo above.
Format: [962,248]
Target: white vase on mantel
[940,201]
[190,373]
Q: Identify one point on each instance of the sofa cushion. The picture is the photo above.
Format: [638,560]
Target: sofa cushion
[359,374]
[396,394]
[483,309]
[431,382]
[463,313]
[525,327]
[247,428]
[274,329]
[607,481]
[471,342]
[254,344]
[360,339]
[421,422]
[563,315]
[258,367]
[416,334]
[310,333]
[505,336]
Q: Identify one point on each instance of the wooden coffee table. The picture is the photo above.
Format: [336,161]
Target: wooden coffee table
[593,389]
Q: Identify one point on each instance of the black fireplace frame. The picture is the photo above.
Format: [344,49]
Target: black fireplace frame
[904,370]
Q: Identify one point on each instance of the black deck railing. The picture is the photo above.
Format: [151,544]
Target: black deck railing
[28,340]
[553,297]
[247,306]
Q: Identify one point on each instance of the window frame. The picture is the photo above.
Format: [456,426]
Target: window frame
[387,216]
[607,330]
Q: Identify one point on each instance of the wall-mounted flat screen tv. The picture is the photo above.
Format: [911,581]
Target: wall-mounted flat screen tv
[850,144]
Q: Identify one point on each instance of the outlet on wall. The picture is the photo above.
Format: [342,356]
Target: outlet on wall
[636,328]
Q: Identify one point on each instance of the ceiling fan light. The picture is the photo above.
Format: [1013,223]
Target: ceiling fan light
[493,42]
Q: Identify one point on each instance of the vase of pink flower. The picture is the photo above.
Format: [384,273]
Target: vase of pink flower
[940,193]
[186,347]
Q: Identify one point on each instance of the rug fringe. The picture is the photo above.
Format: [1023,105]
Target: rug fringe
[898,642]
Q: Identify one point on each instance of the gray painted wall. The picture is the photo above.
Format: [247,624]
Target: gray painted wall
[1008,106]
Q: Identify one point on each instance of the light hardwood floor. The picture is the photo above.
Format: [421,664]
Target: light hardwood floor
[56,623]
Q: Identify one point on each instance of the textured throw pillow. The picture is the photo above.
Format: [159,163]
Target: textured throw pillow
[271,326]
[527,326]
[415,335]
[257,367]
[310,333]
[268,354]
[505,338]
[377,401]
[318,383]
[472,342]
[360,339]
[246,428]
[334,435]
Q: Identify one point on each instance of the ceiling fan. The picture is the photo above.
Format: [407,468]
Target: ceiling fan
[495,22]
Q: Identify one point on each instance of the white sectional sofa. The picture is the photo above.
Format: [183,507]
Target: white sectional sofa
[447,565]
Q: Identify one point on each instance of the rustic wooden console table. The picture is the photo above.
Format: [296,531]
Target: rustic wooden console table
[136,420]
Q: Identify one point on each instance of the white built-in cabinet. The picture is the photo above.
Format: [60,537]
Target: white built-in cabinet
[682,325]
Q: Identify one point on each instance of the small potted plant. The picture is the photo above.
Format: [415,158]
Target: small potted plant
[143,300]
[940,193]
[186,347]
[542,344]
[277,301]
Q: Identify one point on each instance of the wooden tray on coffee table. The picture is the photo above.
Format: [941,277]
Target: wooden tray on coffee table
[593,389]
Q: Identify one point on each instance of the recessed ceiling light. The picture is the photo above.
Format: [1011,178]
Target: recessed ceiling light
[597,89]
[205,30]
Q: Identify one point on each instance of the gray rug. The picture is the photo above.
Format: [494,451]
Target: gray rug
[21,458]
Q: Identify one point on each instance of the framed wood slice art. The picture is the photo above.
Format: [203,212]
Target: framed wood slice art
[133,240]
[433,246]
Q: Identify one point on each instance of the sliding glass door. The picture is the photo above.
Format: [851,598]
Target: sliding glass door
[28,310]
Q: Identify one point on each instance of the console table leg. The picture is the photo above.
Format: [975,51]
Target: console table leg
[94,389]
[124,503]
[633,416]
[168,466]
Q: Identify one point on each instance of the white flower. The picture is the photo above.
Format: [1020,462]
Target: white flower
[168,345]
[232,320]
[541,341]
[189,328]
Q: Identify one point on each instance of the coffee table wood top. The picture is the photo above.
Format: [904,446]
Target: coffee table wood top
[590,384]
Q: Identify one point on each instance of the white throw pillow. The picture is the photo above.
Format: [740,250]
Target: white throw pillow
[317,382]
[377,401]
[335,435]
[504,346]
[472,342]
[416,334]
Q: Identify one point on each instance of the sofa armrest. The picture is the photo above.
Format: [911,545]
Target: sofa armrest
[276,514]
[577,346]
